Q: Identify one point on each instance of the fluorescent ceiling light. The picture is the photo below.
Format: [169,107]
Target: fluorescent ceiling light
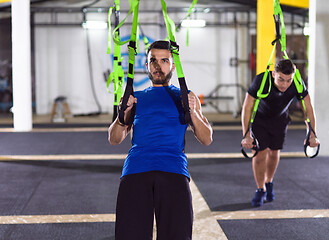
[193,23]
[94,25]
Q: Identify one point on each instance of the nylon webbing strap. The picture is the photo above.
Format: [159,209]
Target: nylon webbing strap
[260,92]
[189,12]
[175,51]
[279,21]
[129,90]
[297,78]
[278,16]
[109,34]
[133,5]
[117,75]
[281,37]
[145,39]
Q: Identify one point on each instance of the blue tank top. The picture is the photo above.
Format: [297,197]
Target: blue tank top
[158,134]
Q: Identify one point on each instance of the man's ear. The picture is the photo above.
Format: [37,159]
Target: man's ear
[273,74]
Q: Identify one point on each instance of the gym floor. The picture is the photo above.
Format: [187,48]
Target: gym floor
[60,181]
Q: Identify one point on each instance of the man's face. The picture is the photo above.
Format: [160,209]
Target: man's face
[282,81]
[160,66]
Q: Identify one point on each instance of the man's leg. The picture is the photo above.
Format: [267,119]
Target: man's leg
[272,162]
[259,169]
[173,207]
[134,211]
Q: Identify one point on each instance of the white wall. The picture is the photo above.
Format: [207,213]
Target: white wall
[62,62]
[62,68]
[318,72]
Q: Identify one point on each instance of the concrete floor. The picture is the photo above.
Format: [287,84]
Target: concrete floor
[220,213]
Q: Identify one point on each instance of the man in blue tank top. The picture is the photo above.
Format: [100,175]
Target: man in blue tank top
[155,179]
[270,125]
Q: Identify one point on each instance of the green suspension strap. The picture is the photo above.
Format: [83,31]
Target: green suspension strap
[309,152]
[260,95]
[188,15]
[175,51]
[278,16]
[117,75]
[145,39]
[134,5]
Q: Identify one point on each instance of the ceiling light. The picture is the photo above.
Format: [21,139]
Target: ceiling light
[94,25]
[193,23]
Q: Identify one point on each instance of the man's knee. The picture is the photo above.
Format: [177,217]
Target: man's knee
[260,157]
[273,154]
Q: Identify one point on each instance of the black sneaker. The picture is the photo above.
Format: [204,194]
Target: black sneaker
[270,196]
[258,200]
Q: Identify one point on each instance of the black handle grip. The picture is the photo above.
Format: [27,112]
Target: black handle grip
[307,147]
[254,142]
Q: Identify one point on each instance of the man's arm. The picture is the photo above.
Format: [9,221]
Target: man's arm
[247,110]
[201,127]
[118,131]
[310,113]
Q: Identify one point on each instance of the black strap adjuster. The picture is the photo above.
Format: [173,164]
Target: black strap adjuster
[132,44]
[174,46]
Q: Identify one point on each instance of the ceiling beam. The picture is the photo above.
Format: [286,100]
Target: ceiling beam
[296,3]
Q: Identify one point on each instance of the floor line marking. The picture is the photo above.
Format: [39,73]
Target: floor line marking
[271,214]
[62,157]
[200,211]
[123,156]
[105,129]
[67,218]
[71,129]
[205,225]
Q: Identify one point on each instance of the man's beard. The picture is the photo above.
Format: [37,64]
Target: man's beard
[163,79]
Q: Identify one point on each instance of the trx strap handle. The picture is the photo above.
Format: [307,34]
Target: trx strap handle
[255,144]
[310,152]
[175,52]
[129,90]
[255,141]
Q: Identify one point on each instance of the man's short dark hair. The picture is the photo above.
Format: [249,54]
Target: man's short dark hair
[285,66]
[161,44]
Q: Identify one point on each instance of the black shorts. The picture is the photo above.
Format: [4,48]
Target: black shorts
[270,133]
[167,195]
